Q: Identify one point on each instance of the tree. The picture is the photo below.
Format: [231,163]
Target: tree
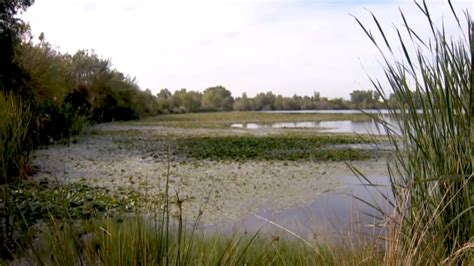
[164,101]
[217,98]
[265,101]
[290,104]
[48,70]
[11,74]
[307,103]
[316,96]
[278,104]
[87,67]
[243,103]
[185,102]
[338,103]
[364,99]
[163,94]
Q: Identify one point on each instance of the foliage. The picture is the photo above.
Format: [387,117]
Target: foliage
[220,99]
[316,148]
[264,101]
[107,242]
[24,205]
[242,104]
[47,69]
[11,74]
[432,176]
[183,101]
[15,146]
[217,99]
[70,91]
[364,99]
[41,201]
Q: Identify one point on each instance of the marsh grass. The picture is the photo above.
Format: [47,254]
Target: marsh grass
[292,148]
[432,173]
[226,119]
[15,119]
[160,238]
[138,242]
[26,205]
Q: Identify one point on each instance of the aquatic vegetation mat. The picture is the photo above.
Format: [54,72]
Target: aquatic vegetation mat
[315,148]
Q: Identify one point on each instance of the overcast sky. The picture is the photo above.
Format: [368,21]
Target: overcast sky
[249,46]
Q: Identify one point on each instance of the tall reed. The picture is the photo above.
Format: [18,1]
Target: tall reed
[15,119]
[432,171]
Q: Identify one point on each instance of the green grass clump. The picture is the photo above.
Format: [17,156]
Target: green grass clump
[281,147]
[25,205]
[15,148]
[36,201]
[15,119]
[432,176]
[137,242]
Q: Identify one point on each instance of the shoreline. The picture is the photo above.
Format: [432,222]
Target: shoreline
[232,189]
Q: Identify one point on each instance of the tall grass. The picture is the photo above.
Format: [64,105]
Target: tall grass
[163,239]
[432,172]
[140,241]
[15,119]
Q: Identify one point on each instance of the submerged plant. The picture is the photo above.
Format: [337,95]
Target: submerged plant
[432,172]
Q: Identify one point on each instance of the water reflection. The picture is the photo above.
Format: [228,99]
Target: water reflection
[339,126]
[335,215]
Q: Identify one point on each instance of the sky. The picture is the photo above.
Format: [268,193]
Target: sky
[288,47]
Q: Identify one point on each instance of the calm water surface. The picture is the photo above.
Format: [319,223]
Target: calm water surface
[341,126]
[346,111]
[337,126]
[336,215]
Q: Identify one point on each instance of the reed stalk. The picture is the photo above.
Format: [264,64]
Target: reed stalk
[432,168]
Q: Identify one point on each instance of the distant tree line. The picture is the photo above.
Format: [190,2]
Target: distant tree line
[219,98]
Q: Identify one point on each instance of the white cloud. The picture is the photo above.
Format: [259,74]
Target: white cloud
[250,46]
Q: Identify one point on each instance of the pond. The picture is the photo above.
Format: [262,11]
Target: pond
[337,215]
[342,126]
[343,111]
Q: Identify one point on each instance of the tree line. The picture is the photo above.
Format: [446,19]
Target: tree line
[65,91]
[219,98]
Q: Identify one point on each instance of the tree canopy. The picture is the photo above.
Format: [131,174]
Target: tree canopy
[11,75]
